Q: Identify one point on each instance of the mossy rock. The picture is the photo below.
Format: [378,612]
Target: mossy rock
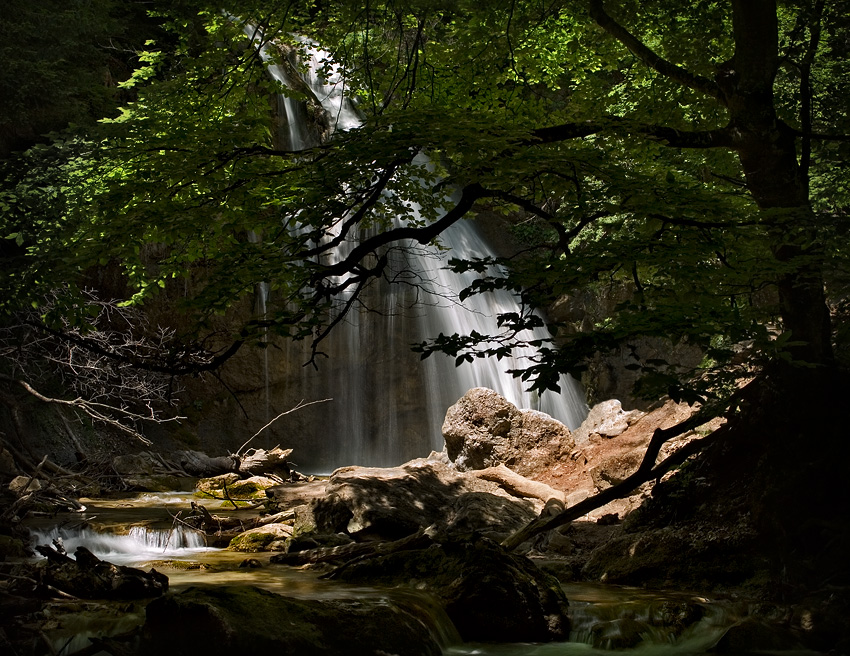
[180,565]
[227,620]
[253,488]
[261,538]
[214,484]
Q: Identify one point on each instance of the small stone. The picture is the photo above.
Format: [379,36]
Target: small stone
[22,485]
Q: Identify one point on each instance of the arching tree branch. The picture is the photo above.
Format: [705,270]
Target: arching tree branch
[649,57]
[423,235]
[719,138]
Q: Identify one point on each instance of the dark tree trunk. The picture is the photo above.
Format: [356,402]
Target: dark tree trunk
[767,151]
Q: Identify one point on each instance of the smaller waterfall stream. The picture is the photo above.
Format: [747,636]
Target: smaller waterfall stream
[138,544]
[388,407]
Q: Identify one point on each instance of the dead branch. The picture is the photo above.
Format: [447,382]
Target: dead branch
[97,411]
[227,494]
[300,405]
[518,485]
[645,472]
[282,516]
[350,552]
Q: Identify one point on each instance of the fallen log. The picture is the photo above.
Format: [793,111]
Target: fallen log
[518,485]
[260,461]
[89,577]
[255,461]
[349,552]
[277,518]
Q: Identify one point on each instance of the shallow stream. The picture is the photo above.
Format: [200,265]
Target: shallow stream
[141,531]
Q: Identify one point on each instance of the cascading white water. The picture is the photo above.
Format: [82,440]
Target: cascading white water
[140,543]
[388,406]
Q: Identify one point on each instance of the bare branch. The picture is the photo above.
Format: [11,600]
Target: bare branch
[675,138]
[97,411]
[818,136]
[300,405]
[646,471]
[366,205]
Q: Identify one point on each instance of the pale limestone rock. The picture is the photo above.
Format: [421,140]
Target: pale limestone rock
[606,419]
[21,485]
[483,430]
[393,502]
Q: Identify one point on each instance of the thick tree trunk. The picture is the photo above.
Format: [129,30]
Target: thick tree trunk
[767,151]
[768,156]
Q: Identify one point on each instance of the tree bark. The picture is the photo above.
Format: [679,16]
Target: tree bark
[767,150]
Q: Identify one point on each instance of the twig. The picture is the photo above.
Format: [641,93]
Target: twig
[227,494]
[34,474]
[300,405]
[183,522]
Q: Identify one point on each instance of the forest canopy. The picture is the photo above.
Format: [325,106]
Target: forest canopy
[688,159]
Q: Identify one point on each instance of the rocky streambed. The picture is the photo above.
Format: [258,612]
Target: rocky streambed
[402,560]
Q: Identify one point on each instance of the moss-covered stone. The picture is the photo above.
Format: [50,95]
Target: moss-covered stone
[232,485]
[251,488]
[214,483]
[261,538]
[181,565]
[228,620]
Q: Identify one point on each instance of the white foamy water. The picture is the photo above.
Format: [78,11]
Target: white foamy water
[139,544]
[388,406]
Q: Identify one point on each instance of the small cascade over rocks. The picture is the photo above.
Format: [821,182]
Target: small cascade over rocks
[388,405]
[138,544]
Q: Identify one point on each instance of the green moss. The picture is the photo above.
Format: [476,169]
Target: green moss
[252,542]
[182,565]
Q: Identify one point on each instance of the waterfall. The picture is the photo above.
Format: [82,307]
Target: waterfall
[138,544]
[388,406]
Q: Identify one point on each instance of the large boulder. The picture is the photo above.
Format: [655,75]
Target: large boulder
[483,429]
[130,464]
[391,503]
[22,485]
[490,594]
[226,620]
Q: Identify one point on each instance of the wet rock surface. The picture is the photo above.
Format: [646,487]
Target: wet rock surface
[230,620]
[491,595]
[88,577]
